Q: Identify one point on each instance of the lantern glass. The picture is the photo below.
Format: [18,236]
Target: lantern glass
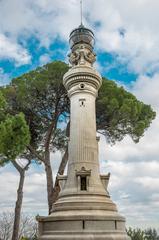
[81,35]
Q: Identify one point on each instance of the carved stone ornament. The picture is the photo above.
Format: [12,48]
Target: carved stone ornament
[83,172]
[82,56]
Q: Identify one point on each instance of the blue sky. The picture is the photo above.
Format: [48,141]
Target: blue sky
[33,33]
[57,50]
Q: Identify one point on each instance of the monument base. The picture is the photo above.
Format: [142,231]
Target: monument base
[85,225]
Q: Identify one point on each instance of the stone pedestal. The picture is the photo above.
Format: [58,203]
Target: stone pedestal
[83,217]
[87,222]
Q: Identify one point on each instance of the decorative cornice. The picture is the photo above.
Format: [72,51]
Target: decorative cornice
[84,76]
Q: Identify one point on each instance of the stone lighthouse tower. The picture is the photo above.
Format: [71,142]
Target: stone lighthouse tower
[84,210]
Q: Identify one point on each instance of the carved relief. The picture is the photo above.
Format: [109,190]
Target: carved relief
[82,56]
[74,58]
[90,57]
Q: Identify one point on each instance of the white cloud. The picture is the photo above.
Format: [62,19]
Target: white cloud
[34,189]
[13,51]
[137,46]
[149,183]
[146,89]
[4,77]
[35,195]
[45,19]
[134,182]
[44,59]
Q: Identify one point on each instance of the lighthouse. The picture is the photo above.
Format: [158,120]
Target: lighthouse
[84,209]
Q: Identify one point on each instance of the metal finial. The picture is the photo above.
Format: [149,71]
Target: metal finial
[81,12]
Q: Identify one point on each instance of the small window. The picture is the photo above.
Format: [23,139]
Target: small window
[82,102]
[83,224]
[83,184]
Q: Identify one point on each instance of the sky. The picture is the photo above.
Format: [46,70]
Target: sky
[33,33]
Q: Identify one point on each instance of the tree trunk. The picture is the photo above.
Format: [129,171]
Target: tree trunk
[61,170]
[18,206]
[48,171]
[49,179]
[62,167]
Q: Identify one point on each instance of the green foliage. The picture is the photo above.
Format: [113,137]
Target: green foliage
[14,136]
[151,234]
[35,237]
[136,234]
[41,96]
[3,106]
[14,133]
[119,113]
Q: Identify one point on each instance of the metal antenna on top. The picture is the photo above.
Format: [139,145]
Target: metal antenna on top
[81,12]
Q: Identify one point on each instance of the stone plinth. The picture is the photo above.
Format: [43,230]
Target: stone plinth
[83,225]
[83,217]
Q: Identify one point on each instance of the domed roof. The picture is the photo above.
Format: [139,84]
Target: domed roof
[81,35]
